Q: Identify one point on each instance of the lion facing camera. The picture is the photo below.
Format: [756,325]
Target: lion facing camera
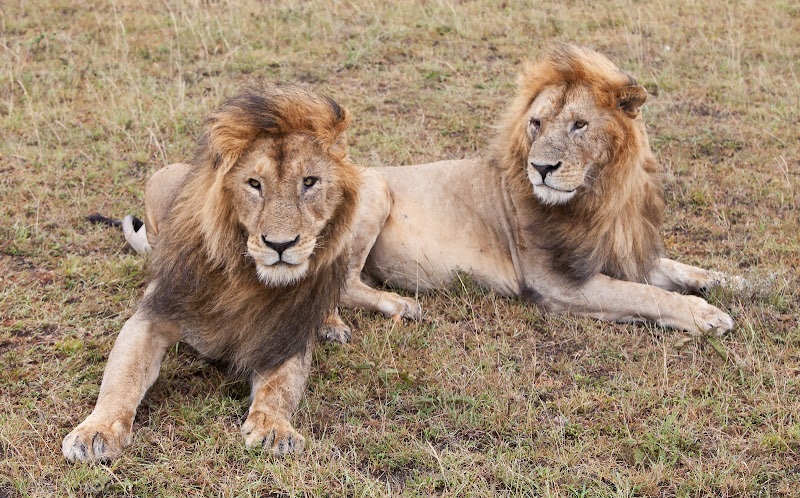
[249,256]
[564,211]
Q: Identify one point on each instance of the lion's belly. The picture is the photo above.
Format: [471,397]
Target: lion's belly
[437,228]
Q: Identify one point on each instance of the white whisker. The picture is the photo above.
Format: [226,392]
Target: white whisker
[588,185]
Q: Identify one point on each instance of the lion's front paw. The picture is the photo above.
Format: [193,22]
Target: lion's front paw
[277,436]
[708,318]
[96,441]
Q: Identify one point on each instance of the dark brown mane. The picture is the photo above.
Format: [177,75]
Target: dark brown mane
[612,228]
[202,277]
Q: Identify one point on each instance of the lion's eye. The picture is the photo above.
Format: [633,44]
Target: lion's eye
[579,124]
[536,124]
[255,184]
[309,181]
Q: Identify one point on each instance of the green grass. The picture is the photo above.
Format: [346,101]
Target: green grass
[486,395]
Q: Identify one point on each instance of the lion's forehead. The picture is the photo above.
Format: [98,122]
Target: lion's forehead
[547,102]
[282,157]
[579,99]
[558,100]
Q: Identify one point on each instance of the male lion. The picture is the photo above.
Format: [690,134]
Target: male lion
[249,256]
[564,212]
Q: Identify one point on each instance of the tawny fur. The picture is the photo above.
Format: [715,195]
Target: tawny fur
[613,227]
[216,287]
[563,211]
[205,282]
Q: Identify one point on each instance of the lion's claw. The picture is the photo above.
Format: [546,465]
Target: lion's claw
[708,318]
[278,437]
[91,442]
[398,307]
[334,333]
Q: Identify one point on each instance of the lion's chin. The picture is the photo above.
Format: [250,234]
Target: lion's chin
[281,274]
[550,196]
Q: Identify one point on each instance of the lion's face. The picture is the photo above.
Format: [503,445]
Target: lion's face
[284,191]
[569,142]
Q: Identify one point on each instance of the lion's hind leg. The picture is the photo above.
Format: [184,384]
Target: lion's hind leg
[607,298]
[132,368]
[678,277]
[275,396]
[373,210]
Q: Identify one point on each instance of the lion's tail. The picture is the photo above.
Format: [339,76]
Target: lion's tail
[132,227]
[98,218]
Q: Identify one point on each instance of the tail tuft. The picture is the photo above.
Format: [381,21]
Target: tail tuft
[135,234]
[98,218]
[136,222]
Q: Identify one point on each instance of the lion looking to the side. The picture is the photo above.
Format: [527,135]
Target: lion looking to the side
[249,255]
[564,211]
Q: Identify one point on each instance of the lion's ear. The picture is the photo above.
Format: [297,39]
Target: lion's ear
[630,99]
[339,147]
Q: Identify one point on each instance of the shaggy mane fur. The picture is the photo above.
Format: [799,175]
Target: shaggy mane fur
[203,278]
[613,227]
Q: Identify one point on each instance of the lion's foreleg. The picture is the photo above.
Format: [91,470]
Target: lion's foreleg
[276,394]
[621,301]
[678,277]
[373,210]
[132,368]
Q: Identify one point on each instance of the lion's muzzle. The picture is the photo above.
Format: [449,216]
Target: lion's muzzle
[280,247]
[545,169]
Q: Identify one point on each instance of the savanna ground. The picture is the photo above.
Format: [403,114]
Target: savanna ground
[486,395]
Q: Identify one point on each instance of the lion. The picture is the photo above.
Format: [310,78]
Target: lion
[250,249]
[564,211]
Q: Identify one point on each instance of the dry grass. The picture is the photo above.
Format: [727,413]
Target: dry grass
[486,395]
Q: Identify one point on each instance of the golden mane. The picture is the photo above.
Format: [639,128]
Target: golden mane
[203,278]
[611,228]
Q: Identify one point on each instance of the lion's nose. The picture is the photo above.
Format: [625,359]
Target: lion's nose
[279,247]
[544,169]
